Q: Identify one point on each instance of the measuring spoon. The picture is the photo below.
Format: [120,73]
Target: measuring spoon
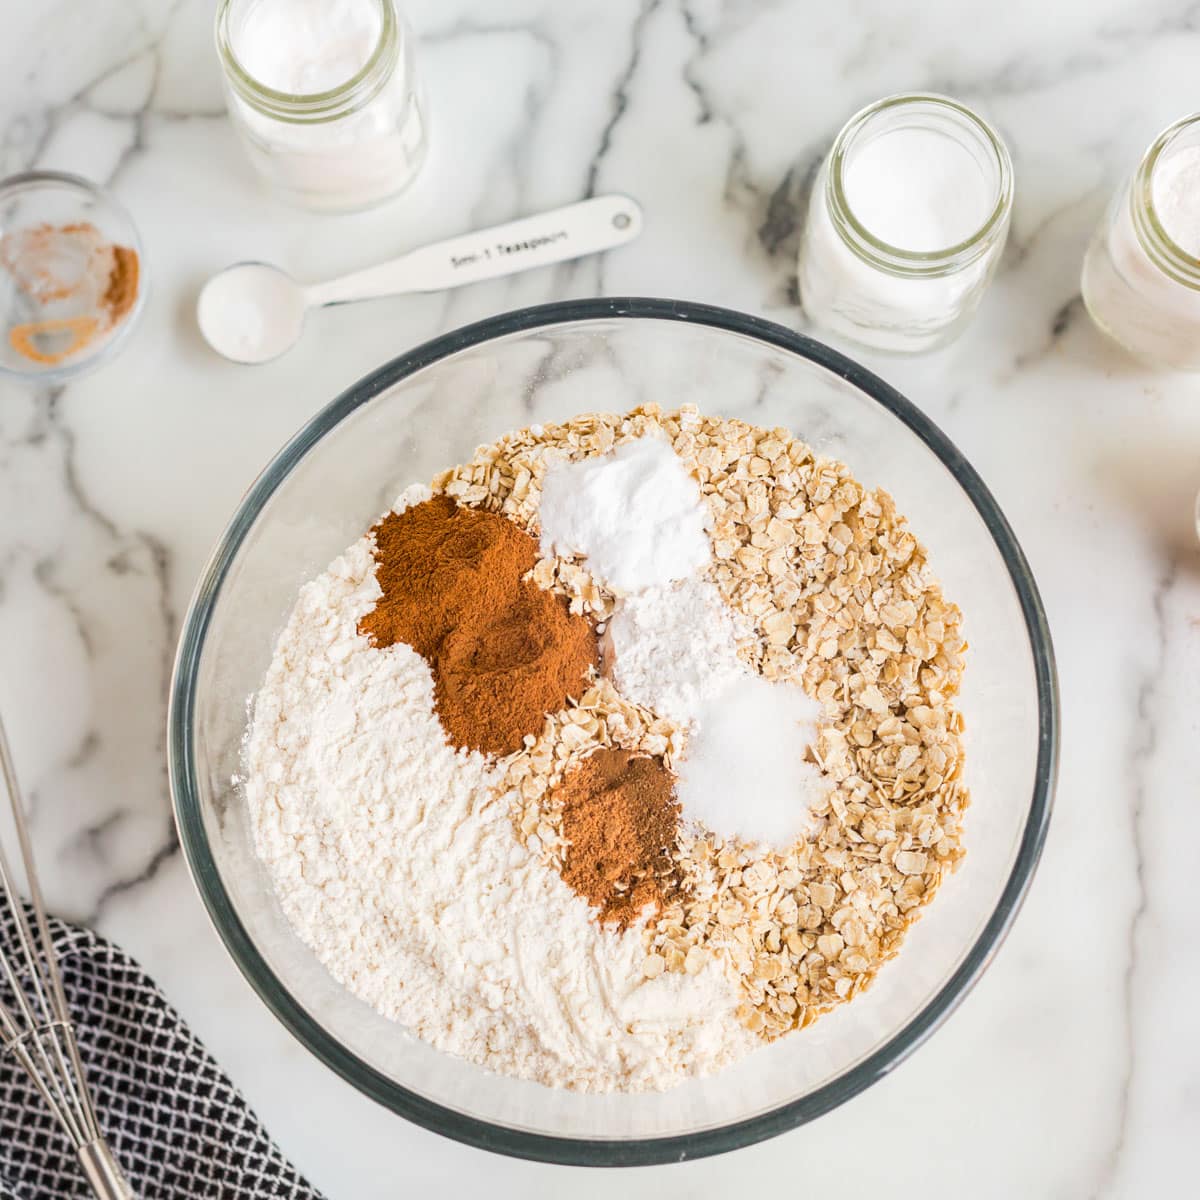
[253,312]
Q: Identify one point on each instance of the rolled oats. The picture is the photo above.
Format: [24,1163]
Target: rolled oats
[841,600]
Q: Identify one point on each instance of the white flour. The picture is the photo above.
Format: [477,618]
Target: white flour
[396,861]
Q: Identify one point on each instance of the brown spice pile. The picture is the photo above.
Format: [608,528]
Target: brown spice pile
[619,817]
[122,287]
[504,653]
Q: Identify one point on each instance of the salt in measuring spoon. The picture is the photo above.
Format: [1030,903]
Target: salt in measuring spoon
[252,312]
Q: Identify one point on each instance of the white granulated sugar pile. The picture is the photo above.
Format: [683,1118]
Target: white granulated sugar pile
[672,649]
[635,515]
[744,771]
[395,859]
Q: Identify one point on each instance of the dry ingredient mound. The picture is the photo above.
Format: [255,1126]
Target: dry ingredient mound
[619,818]
[504,652]
[841,600]
[395,858]
[562,913]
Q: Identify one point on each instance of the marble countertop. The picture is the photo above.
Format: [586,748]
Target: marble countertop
[1073,1069]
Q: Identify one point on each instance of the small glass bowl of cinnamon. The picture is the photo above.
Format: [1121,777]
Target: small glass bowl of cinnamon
[72,276]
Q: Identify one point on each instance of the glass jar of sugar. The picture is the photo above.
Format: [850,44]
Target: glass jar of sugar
[1141,273]
[906,222]
[324,96]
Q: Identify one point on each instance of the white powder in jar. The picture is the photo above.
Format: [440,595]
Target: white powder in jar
[635,515]
[353,146]
[744,771]
[395,859]
[307,46]
[918,190]
[1130,296]
[1176,190]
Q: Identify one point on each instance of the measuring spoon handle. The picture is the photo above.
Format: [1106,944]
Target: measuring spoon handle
[563,233]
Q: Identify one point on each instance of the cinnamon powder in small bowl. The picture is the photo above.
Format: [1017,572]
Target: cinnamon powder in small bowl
[75,287]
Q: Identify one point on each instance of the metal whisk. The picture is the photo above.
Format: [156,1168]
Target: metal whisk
[36,1028]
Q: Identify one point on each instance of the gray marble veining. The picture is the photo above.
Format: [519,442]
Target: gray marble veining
[1073,1070]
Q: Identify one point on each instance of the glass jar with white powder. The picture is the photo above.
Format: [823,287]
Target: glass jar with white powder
[906,223]
[324,96]
[1141,274]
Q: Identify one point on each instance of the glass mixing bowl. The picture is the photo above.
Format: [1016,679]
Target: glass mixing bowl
[428,409]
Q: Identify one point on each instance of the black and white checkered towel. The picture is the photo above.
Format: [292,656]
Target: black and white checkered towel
[177,1125]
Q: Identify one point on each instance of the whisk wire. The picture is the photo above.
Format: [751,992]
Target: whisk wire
[43,1042]
[53,999]
[23,1029]
[52,1101]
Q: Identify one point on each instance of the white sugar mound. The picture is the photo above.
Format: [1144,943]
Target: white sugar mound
[744,772]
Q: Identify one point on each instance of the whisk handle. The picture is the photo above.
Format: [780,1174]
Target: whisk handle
[107,1179]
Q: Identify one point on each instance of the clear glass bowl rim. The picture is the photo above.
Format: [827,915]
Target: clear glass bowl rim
[584,1151]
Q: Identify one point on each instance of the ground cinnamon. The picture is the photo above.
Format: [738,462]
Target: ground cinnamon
[504,653]
[67,337]
[123,281]
[61,268]
[619,816]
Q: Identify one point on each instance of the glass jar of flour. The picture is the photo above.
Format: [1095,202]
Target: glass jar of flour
[1141,274]
[906,223]
[324,96]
